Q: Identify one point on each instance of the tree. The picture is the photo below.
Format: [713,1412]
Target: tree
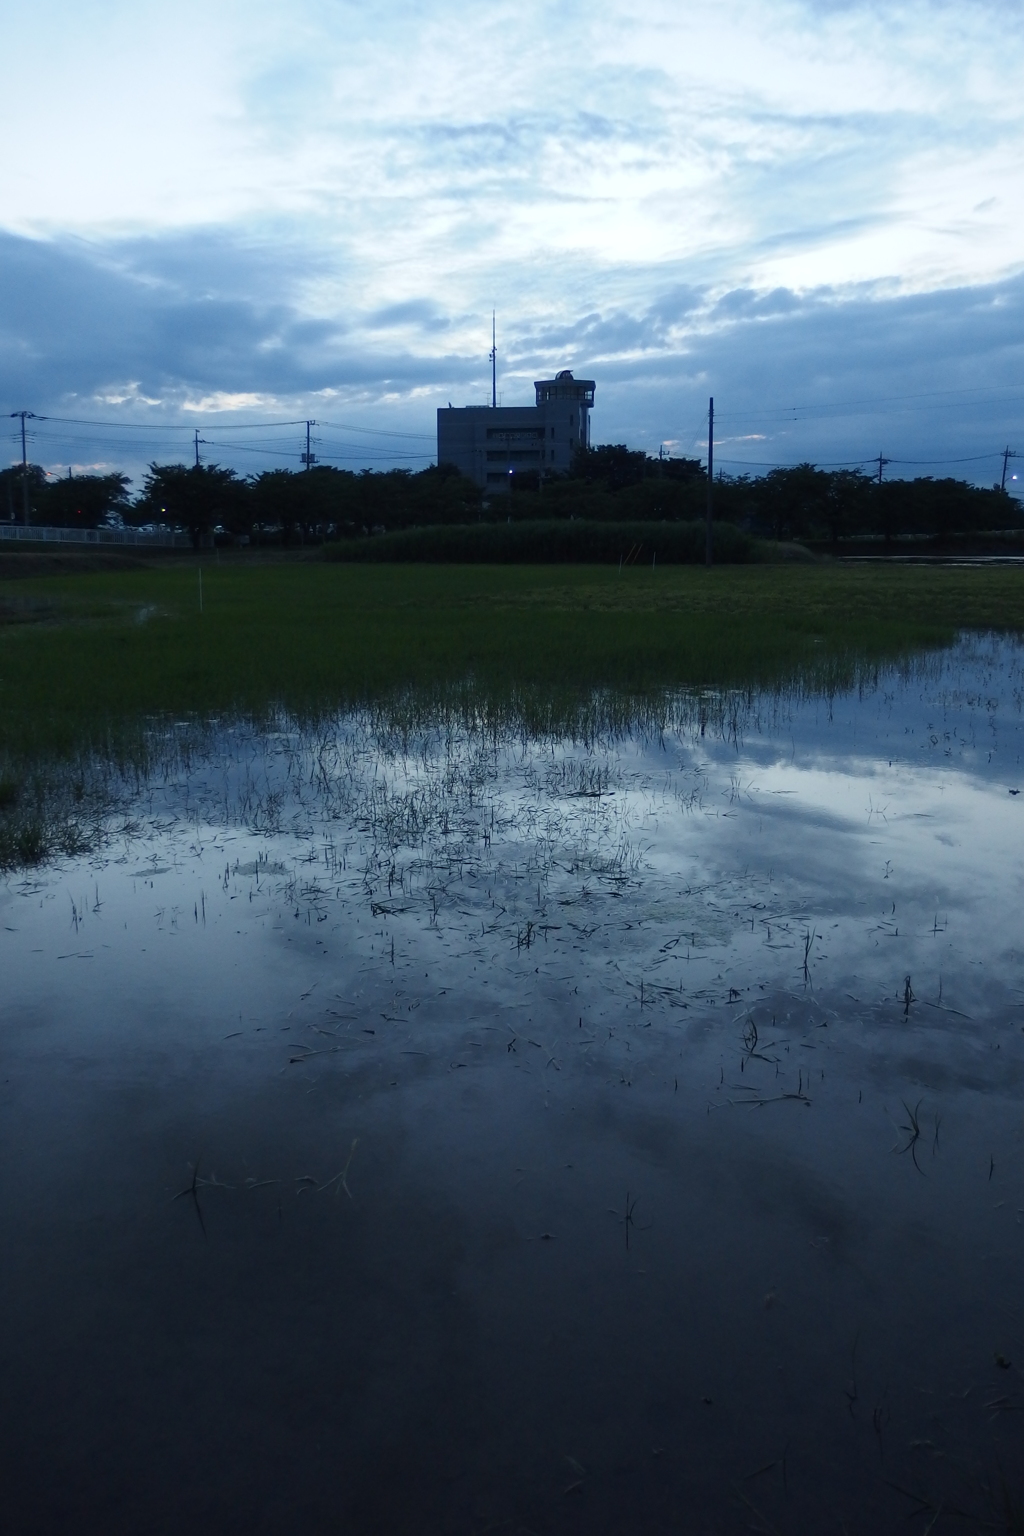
[795,500]
[12,492]
[685,470]
[197,497]
[83,501]
[288,500]
[847,502]
[610,464]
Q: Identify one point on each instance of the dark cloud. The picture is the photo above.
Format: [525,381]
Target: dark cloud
[746,304]
[677,303]
[76,321]
[834,376]
[417,312]
[830,375]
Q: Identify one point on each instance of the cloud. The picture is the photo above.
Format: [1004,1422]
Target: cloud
[840,375]
[324,203]
[151,332]
[419,313]
[745,303]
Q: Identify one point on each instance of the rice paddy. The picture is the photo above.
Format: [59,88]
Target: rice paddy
[481,1087]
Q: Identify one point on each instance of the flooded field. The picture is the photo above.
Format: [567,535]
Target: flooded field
[422,1123]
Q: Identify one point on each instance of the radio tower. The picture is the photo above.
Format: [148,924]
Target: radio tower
[494,365]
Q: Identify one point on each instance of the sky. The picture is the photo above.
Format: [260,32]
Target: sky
[227,218]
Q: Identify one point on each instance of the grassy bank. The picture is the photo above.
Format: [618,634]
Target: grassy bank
[554,542]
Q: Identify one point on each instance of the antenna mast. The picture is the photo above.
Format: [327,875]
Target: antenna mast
[709,546]
[494,365]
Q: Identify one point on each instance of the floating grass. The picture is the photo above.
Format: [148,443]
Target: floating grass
[124,671]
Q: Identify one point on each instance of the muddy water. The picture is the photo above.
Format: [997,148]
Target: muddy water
[445,1129]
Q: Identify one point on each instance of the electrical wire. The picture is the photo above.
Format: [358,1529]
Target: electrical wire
[980,395]
[237,426]
[347,426]
[816,464]
[361,457]
[155,426]
[975,458]
[345,452]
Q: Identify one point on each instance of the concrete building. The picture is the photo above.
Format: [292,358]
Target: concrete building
[490,444]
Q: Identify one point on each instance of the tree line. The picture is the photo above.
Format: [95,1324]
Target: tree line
[607,483]
[801,503]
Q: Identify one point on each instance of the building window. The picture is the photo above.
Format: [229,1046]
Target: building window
[514,434]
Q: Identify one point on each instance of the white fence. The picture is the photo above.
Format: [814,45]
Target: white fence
[20,533]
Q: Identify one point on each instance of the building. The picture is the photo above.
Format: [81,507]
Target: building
[490,444]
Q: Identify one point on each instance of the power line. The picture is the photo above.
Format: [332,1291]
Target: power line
[285,453]
[344,452]
[223,427]
[982,394]
[270,453]
[344,457]
[348,426]
[975,458]
[816,463]
[228,426]
[156,426]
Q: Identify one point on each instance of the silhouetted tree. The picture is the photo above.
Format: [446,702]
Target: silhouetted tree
[847,503]
[197,497]
[289,501]
[795,500]
[12,493]
[612,465]
[83,501]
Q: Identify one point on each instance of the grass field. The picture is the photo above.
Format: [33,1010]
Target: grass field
[95,665]
[84,655]
[558,541]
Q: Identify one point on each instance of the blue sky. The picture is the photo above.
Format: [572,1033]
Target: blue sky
[224,213]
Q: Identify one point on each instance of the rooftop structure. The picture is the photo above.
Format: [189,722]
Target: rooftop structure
[491,443]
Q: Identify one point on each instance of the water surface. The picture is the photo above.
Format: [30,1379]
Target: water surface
[422,1124]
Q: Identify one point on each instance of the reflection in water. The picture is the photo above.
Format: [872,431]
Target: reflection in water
[420,1122]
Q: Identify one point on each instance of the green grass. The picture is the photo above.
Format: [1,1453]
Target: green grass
[115,648]
[94,667]
[556,541]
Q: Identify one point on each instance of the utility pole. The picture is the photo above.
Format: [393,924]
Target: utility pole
[709,550]
[309,458]
[1008,454]
[494,365]
[197,447]
[881,465]
[31,416]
